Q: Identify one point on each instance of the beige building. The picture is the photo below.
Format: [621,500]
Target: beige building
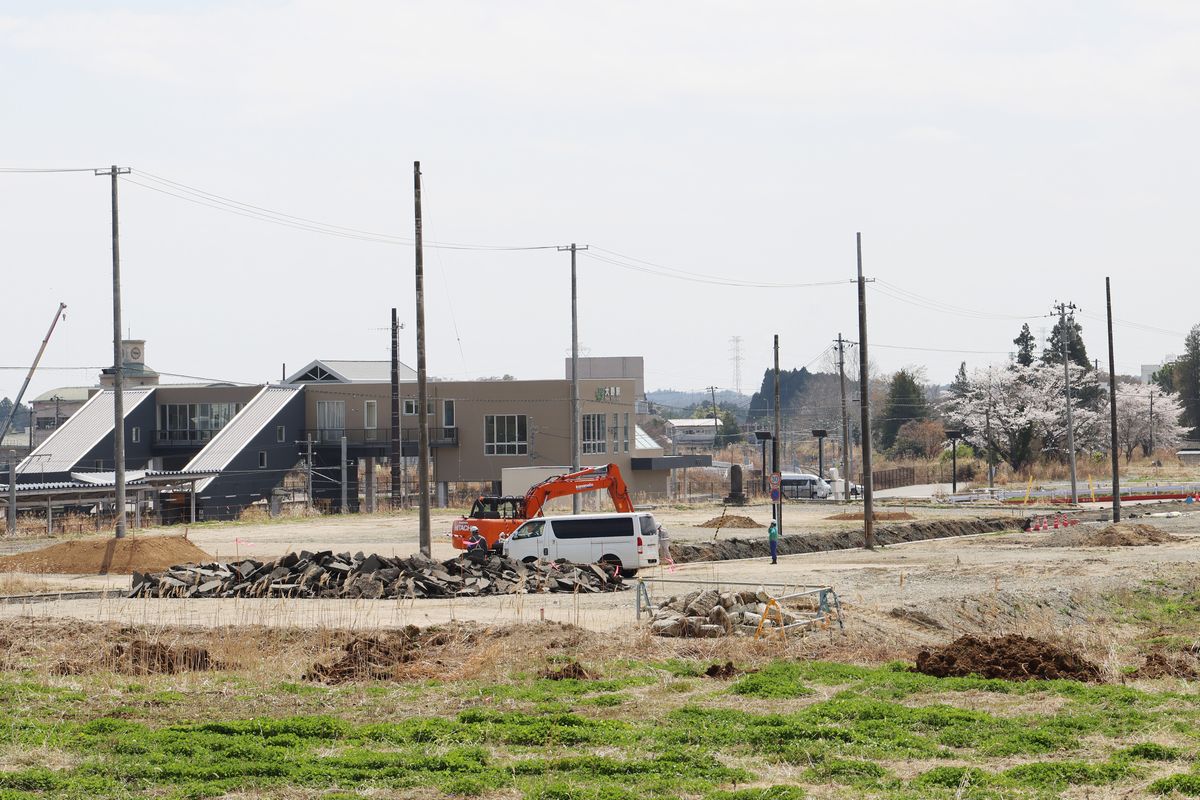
[478,428]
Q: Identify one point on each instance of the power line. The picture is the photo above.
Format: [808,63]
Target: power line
[928,303]
[650,268]
[34,170]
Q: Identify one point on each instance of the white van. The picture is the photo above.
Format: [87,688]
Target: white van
[804,485]
[627,541]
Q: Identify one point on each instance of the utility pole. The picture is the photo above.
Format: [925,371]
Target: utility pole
[345,488]
[1151,423]
[396,450]
[308,462]
[424,534]
[12,491]
[1112,408]
[118,359]
[1064,336]
[713,389]
[775,443]
[987,428]
[845,421]
[575,424]
[864,392]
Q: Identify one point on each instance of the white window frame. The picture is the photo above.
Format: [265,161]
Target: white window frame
[262,459]
[598,441]
[512,425]
[280,434]
[370,419]
[135,434]
[448,420]
[410,407]
[331,420]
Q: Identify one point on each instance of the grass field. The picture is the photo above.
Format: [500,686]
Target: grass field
[645,729]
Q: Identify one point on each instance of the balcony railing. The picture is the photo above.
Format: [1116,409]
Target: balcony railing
[439,436]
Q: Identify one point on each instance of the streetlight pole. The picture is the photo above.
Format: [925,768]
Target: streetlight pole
[954,435]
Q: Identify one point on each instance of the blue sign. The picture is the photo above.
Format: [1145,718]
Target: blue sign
[774,495]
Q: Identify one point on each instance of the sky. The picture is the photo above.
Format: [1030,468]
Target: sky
[718,159]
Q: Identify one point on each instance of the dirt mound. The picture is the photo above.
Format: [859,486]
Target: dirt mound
[731,521]
[1120,534]
[107,556]
[140,657]
[1164,665]
[381,657]
[887,516]
[1012,657]
[725,672]
[572,670]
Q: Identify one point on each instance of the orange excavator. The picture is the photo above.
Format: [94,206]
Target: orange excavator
[496,516]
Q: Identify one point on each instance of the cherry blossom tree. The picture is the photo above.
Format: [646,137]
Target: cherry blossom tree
[1143,424]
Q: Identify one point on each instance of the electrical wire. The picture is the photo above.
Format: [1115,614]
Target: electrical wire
[940,349]
[35,170]
[928,303]
[650,268]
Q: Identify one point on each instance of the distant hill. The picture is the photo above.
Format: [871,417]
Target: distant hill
[673,398]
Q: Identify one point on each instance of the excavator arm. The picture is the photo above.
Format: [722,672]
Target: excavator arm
[589,479]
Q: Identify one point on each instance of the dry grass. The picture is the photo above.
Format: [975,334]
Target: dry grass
[18,583]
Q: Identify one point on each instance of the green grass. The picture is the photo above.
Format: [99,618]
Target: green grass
[650,731]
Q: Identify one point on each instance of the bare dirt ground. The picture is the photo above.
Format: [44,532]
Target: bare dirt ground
[896,600]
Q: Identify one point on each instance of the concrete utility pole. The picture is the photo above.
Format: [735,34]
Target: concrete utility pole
[118,359]
[396,449]
[345,488]
[576,500]
[775,442]
[1112,409]
[425,536]
[12,491]
[1063,334]
[845,421]
[864,392]
[308,462]
[716,419]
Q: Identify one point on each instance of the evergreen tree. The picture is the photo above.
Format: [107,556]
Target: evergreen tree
[6,407]
[905,401]
[960,384]
[1076,352]
[1026,345]
[1187,381]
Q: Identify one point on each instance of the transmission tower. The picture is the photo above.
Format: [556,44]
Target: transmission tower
[735,355]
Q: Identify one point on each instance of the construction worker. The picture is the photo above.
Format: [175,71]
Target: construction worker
[773,539]
[664,546]
[475,541]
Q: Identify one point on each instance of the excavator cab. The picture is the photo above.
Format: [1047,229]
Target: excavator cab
[497,508]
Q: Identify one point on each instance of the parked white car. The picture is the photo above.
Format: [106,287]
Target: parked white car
[627,541]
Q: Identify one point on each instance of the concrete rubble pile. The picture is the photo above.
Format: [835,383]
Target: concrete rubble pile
[373,577]
[710,613]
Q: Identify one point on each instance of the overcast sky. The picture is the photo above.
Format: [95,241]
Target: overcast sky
[997,157]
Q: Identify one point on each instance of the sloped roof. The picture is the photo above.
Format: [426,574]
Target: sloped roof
[82,431]
[342,371]
[698,422]
[244,426]
[643,440]
[66,394]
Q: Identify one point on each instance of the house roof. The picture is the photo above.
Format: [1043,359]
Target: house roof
[340,371]
[82,431]
[66,394]
[643,440]
[698,422]
[245,425]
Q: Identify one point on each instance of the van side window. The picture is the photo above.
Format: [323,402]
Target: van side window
[592,528]
[530,530]
[648,526]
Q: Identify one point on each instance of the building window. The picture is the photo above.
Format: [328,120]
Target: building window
[280,434]
[193,422]
[331,420]
[505,435]
[262,459]
[625,437]
[448,413]
[135,434]
[593,433]
[410,407]
[370,418]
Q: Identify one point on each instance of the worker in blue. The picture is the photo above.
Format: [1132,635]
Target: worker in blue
[773,539]
[475,541]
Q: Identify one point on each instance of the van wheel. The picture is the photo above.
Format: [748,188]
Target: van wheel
[612,562]
[629,573]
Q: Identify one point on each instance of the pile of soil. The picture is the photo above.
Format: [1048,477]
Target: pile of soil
[888,516]
[379,657]
[107,556]
[731,521]
[140,657]
[572,670]
[1012,657]
[1165,665]
[1120,534]
[726,671]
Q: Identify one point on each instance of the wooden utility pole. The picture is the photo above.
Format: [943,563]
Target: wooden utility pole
[395,452]
[118,357]
[775,442]
[425,536]
[576,458]
[1065,336]
[716,419]
[864,392]
[845,421]
[1112,409]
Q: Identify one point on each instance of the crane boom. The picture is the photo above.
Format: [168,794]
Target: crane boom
[29,376]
